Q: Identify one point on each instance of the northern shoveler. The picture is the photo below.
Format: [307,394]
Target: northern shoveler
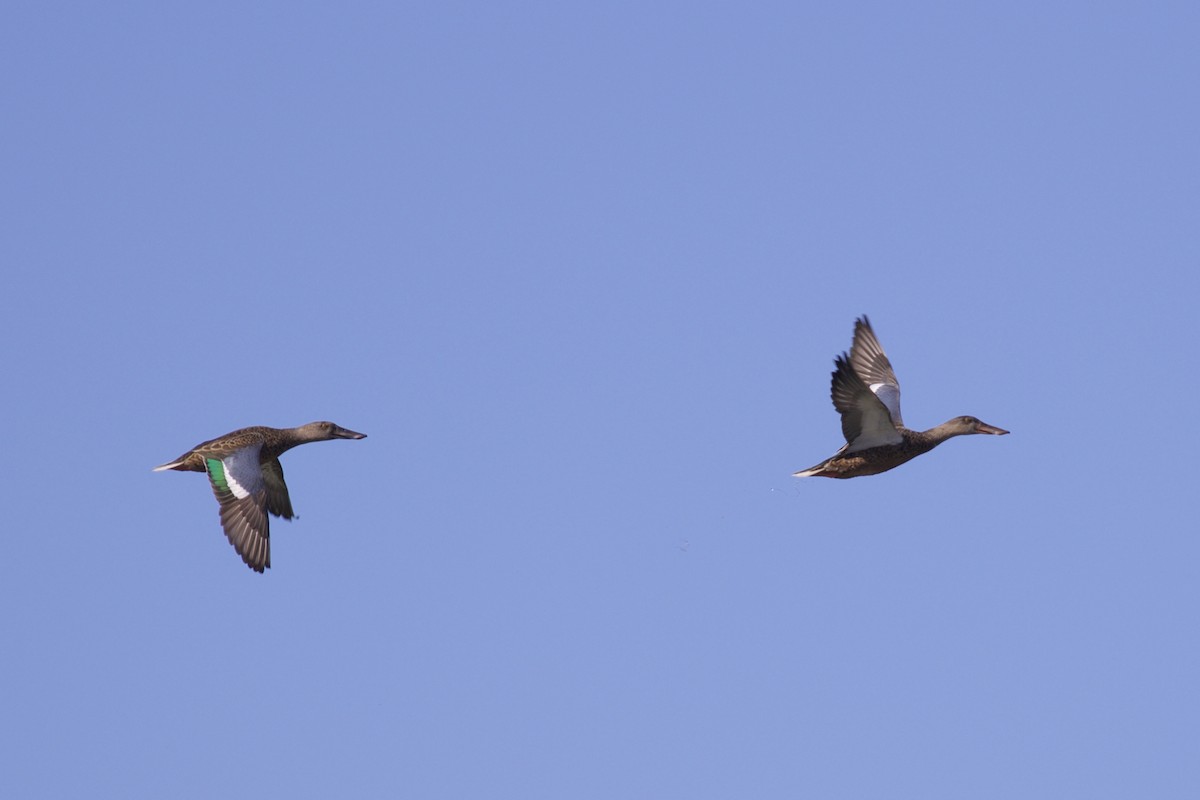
[243,468]
[867,395]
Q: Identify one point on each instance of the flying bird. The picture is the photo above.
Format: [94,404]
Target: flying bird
[243,468]
[867,395]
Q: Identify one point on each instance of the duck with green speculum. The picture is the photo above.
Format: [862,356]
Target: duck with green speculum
[243,468]
[867,395]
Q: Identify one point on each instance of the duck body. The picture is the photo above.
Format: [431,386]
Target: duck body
[247,479]
[866,393]
[875,460]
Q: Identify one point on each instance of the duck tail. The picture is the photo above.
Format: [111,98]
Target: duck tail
[811,471]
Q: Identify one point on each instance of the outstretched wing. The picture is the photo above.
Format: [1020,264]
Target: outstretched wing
[872,365]
[865,420]
[279,502]
[238,483]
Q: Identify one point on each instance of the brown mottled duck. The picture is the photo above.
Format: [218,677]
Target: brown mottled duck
[243,468]
[867,395]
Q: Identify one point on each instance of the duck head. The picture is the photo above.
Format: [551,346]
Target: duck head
[964,425]
[320,431]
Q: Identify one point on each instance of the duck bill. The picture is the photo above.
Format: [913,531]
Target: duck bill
[983,427]
[345,433]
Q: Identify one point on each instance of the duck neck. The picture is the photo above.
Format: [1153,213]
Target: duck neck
[941,433]
[287,439]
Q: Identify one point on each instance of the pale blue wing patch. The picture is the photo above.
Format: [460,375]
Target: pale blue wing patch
[243,474]
[889,395]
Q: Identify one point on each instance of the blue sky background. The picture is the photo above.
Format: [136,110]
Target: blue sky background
[580,273]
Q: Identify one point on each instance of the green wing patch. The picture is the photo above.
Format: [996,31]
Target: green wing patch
[216,473]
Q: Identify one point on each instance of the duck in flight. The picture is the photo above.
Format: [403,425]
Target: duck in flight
[867,395]
[243,468]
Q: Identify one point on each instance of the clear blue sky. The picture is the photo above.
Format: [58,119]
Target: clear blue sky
[580,272]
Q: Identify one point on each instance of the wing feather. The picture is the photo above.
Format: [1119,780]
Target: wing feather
[871,364]
[241,490]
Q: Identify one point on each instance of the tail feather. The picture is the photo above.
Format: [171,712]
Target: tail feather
[819,469]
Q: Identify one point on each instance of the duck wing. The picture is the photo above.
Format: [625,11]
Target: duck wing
[279,502]
[866,421]
[239,486]
[872,365]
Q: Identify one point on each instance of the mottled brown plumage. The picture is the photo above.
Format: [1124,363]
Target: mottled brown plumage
[247,480]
